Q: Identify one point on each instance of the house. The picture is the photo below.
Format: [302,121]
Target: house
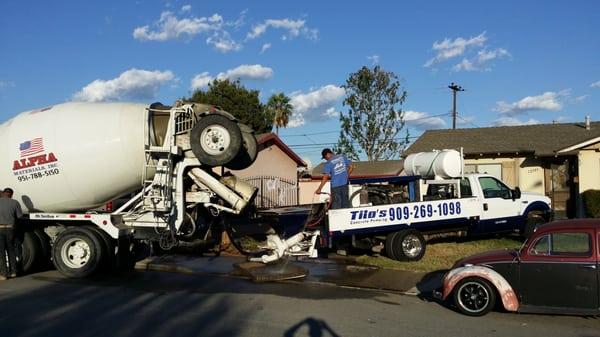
[559,160]
[275,172]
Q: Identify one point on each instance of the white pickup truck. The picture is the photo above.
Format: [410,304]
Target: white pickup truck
[473,204]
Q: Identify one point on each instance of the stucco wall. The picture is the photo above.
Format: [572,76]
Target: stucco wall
[527,173]
[589,170]
[271,161]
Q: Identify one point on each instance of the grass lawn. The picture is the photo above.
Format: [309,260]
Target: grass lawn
[442,254]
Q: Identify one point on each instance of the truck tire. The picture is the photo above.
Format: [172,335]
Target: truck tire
[78,252]
[534,219]
[389,245]
[45,249]
[31,252]
[108,244]
[248,151]
[408,245]
[215,140]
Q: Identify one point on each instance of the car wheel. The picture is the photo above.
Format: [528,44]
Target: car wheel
[215,140]
[408,245]
[474,296]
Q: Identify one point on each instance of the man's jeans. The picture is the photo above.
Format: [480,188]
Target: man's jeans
[8,247]
[339,197]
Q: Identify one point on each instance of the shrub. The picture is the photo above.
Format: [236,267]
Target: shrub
[592,203]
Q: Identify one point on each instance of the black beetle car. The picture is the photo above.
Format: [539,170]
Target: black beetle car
[556,271]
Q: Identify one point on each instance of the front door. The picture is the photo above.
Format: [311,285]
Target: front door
[500,211]
[560,270]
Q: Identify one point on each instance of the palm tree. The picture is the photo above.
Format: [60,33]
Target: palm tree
[281,109]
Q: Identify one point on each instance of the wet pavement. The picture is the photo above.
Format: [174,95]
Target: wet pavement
[322,271]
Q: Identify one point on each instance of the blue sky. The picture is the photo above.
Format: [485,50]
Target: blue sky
[520,61]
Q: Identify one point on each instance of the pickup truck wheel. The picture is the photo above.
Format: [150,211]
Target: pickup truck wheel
[534,219]
[408,245]
[78,252]
[389,245]
[215,140]
[474,296]
[248,151]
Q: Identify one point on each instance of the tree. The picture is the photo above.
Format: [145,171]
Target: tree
[281,109]
[234,98]
[374,117]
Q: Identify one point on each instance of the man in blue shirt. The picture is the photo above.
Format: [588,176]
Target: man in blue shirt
[338,169]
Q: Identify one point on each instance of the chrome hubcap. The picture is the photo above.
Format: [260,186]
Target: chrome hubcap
[411,246]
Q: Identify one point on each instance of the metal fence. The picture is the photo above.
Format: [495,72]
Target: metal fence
[274,191]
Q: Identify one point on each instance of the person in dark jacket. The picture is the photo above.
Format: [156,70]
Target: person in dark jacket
[10,211]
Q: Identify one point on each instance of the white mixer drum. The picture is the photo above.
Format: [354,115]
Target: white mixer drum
[73,156]
[443,164]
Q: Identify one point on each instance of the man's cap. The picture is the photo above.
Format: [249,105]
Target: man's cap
[8,190]
[325,151]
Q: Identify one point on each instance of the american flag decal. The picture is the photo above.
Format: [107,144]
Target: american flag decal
[31,147]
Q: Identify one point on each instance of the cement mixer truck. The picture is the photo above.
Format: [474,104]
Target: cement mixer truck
[65,160]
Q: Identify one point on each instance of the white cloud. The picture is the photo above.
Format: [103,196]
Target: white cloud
[315,105]
[247,72]
[200,81]
[595,85]
[448,49]
[293,29]
[479,63]
[169,27]
[244,72]
[186,8]
[133,83]
[546,101]
[265,47]
[580,99]
[422,120]
[374,59]
[511,121]
[223,42]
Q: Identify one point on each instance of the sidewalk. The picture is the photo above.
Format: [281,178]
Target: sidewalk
[320,271]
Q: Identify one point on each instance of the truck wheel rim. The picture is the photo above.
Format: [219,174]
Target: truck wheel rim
[214,139]
[411,246]
[75,253]
[473,297]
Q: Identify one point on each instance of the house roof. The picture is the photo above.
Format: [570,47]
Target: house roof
[267,139]
[539,139]
[368,169]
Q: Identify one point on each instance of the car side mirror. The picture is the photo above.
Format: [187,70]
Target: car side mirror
[516,193]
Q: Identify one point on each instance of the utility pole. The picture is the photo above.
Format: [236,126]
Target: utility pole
[454,88]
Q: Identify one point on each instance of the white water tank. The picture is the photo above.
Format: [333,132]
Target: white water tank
[442,164]
[73,156]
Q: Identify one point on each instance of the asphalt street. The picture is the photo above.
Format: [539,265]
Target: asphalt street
[168,304]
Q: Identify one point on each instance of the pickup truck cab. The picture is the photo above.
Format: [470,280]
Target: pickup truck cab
[556,271]
[474,204]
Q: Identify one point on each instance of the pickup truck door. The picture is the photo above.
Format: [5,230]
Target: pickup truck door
[499,211]
[560,270]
